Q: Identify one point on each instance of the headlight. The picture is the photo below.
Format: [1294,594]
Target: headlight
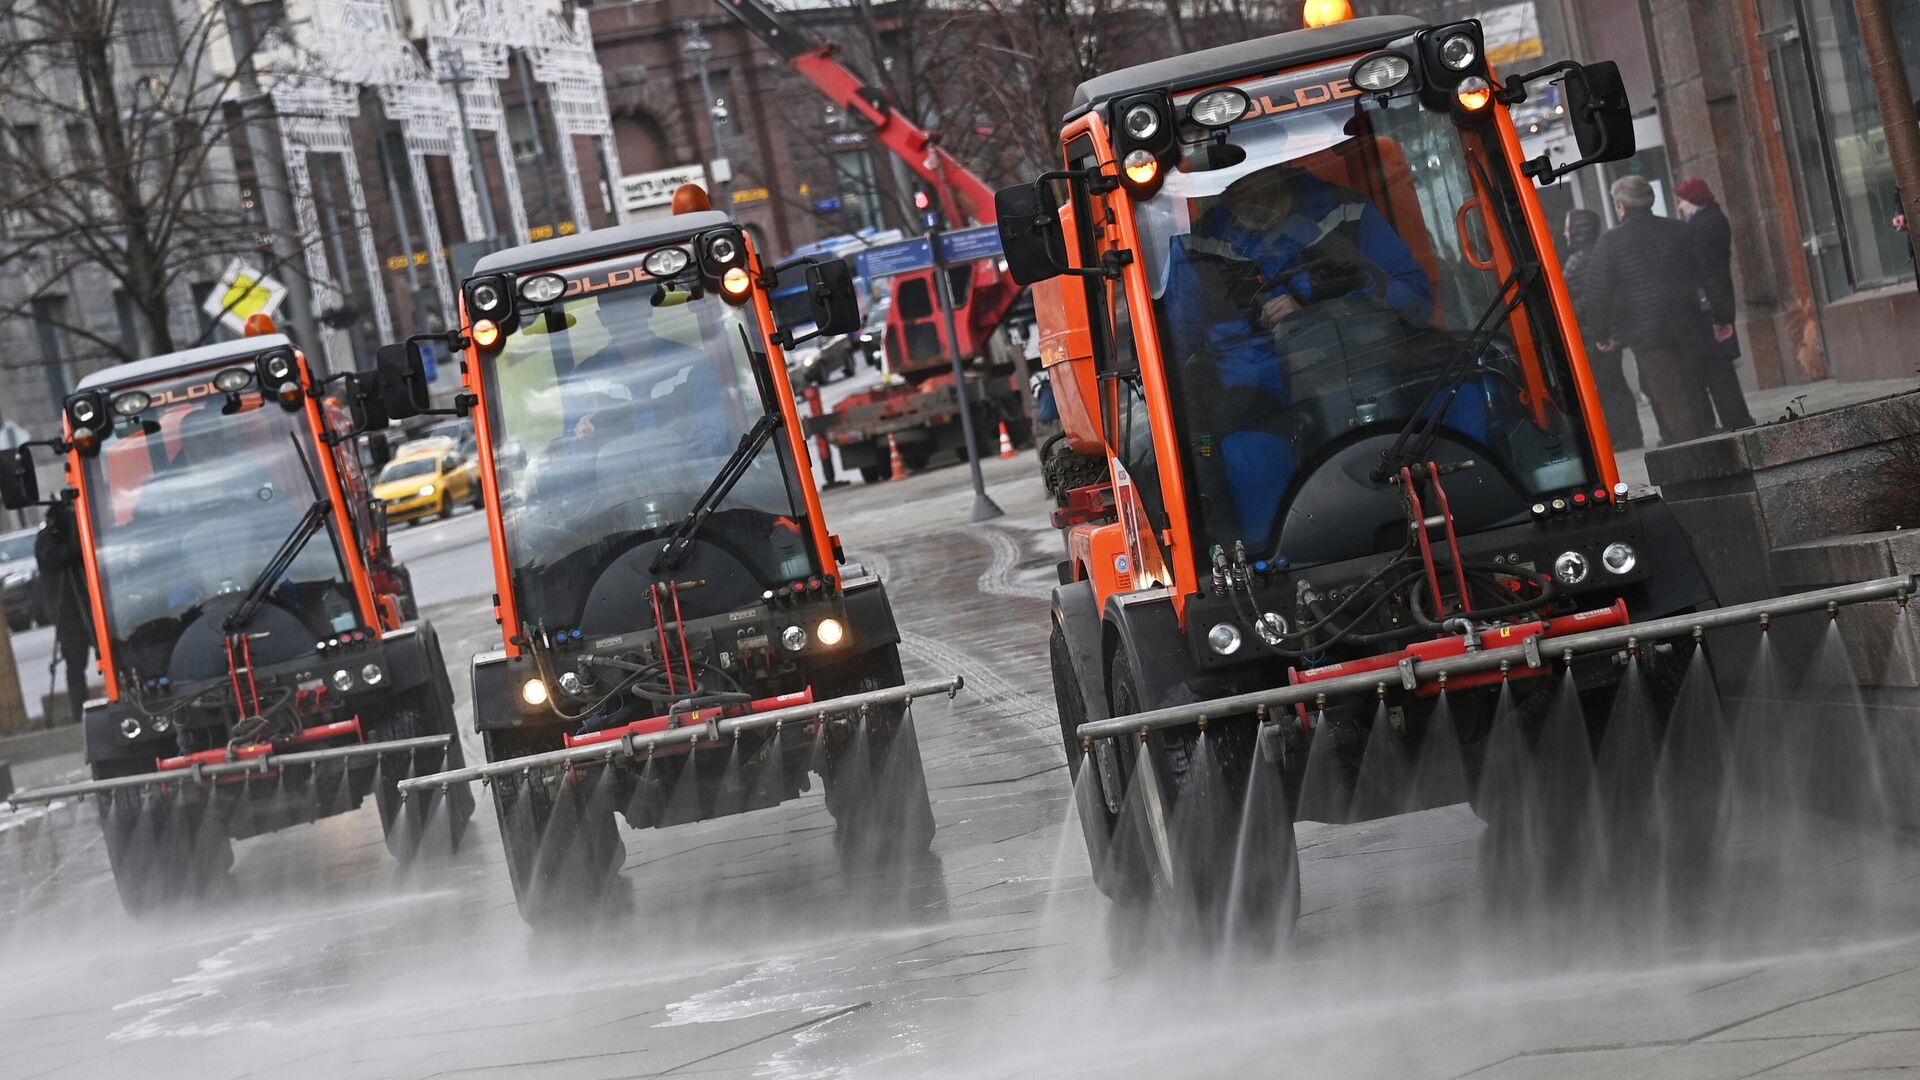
[1570,568]
[487,297]
[666,262]
[425,490]
[132,403]
[533,692]
[130,727]
[1142,166]
[277,366]
[1142,122]
[342,680]
[372,675]
[1475,93]
[83,411]
[1272,628]
[1218,108]
[1619,558]
[793,639]
[735,282]
[722,250]
[829,632]
[233,380]
[544,289]
[1459,52]
[1381,72]
[1224,639]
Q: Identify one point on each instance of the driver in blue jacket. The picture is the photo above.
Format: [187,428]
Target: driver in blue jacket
[1292,241]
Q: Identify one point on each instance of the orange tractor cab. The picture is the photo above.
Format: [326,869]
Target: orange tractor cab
[682,637]
[259,670]
[1300,302]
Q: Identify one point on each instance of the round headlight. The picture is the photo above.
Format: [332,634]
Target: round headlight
[1218,108]
[736,282]
[533,692]
[1141,166]
[371,675]
[426,489]
[232,380]
[83,411]
[1381,73]
[666,262]
[1474,93]
[1142,122]
[485,333]
[544,289]
[829,632]
[130,727]
[722,250]
[132,403]
[1570,568]
[342,680]
[278,366]
[1459,52]
[1224,639]
[486,296]
[1272,628]
[793,639]
[1619,558]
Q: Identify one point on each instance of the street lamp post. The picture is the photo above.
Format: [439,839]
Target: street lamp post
[700,48]
[458,78]
[1882,46]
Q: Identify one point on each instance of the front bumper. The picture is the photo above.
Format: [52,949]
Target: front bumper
[414,506]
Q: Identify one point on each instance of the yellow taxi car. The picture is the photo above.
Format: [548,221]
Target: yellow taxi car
[427,477]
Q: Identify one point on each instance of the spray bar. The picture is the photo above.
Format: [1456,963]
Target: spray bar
[1526,654]
[710,731]
[205,772]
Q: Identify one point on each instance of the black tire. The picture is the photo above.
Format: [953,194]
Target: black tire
[916,455]
[446,505]
[414,523]
[561,841]
[18,623]
[1192,855]
[882,813]
[873,474]
[423,710]
[164,851]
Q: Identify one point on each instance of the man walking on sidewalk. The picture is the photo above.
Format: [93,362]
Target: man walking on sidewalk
[62,578]
[1719,343]
[1645,278]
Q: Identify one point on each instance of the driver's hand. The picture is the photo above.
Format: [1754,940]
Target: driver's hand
[583,429]
[1278,308]
[1722,331]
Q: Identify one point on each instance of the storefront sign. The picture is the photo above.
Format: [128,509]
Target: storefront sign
[642,190]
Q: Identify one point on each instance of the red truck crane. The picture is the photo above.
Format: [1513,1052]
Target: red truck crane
[919,411]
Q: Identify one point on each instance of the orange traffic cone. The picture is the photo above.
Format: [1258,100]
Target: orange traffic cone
[1006,442]
[893,459]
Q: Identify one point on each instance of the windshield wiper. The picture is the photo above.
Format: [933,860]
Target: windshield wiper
[1424,425]
[255,597]
[670,557]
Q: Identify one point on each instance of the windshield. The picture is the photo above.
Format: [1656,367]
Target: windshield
[188,503]
[410,468]
[607,427]
[1314,273]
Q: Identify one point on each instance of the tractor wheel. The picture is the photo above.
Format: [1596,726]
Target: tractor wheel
[878,798]
[1223,867]
[163,850]
[561,840]
[1119,879]
[424,710]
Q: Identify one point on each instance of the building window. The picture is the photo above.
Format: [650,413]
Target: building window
[149,32]
[80,146]
[1856,165]
[129,320]
[50,326]
[520,131]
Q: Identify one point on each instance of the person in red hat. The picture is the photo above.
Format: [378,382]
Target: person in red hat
[1719,347]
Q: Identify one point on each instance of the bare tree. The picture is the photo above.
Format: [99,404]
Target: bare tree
[116,134]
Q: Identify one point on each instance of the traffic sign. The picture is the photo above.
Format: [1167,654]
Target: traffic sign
[828,206]
[890,259]
[966,245]
[243,291]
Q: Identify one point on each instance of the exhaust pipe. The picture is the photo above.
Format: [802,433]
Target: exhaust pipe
[1535,651]
[711,730]
[209,772]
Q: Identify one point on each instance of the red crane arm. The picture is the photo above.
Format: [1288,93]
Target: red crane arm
[962,194]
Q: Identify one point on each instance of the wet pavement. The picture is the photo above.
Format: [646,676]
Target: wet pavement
[740,947]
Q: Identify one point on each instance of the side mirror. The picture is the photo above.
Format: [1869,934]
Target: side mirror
[1030,234]
[1602,117]
[836,307]
[19,485]
[402,387]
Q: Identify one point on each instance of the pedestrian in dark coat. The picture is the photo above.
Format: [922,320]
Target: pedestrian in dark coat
[56,552]
[1719,345]
[1645,279]
[1617,399]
